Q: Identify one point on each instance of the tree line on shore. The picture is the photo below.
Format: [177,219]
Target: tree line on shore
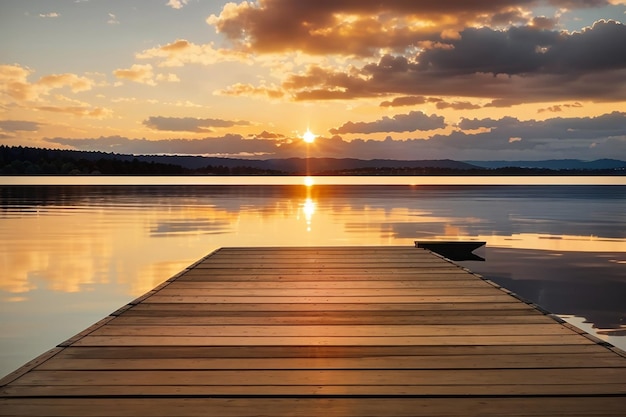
[37,161]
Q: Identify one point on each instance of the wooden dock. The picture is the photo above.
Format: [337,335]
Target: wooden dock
[328,331]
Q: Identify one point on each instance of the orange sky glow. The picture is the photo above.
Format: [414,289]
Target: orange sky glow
[465,80]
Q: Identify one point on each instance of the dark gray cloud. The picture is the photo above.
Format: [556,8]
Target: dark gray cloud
[457,105]
[506,138]
[19,125]
[189,124]
[607,125]
[522,64]
[439,103]
[527,50]
[404,101]
[224,145]
[268,135]
[556,108]
[413,121]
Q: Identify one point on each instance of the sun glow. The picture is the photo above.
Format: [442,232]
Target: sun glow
[308,136]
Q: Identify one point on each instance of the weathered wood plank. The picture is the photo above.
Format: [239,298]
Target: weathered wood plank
[308,407]
[337,330]
[328,285]
[511,304]
[317,276]
[306,377]
[311,292]
[303,351]
[326,319]
[495,297]
[495,361]
[567,339]
[328,389]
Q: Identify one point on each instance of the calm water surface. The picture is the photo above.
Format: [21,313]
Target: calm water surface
[72,254]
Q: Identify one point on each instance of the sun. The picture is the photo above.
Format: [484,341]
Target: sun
[308,136]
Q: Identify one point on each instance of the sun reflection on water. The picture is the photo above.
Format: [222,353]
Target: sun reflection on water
[309,209]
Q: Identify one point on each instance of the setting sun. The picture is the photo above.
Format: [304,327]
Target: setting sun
[308,136]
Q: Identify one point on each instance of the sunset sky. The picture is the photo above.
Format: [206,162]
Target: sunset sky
[397,79]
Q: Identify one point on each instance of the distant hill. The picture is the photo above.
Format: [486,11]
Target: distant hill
[554,164]
[36,161]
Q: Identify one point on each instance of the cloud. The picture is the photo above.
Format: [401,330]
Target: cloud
[19,125]
[79,111]
[559,107]
[181,52]
[177,4]
[506,138]
[113,19]
[523,64]
[228,145]
[413,121]
[49,15]
[348,27]
[144,74]
[138,73]
[73,81]
[15,84]
[526,50]
[268,135]
[240,89]
[457,105]
[404,101]
[607,125]
[189,124]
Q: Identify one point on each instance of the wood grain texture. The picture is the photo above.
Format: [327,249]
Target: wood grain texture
[332,331]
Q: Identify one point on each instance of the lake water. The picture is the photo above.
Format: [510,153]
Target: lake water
[72,254]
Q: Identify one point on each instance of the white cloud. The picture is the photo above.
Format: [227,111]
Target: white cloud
[113,19]
[49,15]
[177,4]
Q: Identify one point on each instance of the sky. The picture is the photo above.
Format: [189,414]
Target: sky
[399,79]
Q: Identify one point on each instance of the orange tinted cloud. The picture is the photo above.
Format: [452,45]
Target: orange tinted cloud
[138,73]
[15,84]
[240,89]
[364,27]
[181,52]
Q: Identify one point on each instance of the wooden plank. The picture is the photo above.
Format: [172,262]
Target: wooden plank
[328,285]
[306,377]
[328,390]
[495,361]
[317,276]
[511,305]
[184,352]
[495,297]
[307,407]
[310,292]
[329,319]
[337,330]
[566,339]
